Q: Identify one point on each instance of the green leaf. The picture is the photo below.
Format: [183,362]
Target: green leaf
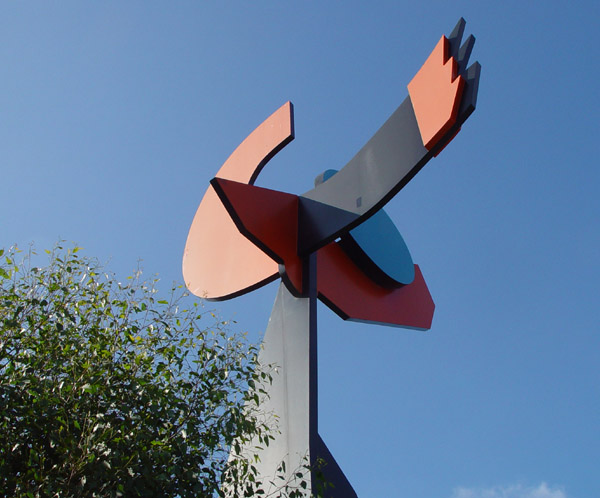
[96,380]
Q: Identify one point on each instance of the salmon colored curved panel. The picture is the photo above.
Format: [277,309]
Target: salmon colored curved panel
[273,134]
[218,261]
[435,93]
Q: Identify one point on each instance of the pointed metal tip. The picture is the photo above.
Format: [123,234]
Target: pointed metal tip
[459,29]
[455,38]
[464,53]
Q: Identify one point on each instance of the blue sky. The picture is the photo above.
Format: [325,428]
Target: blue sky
[115,115]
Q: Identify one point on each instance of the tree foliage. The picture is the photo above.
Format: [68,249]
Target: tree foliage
[106,390]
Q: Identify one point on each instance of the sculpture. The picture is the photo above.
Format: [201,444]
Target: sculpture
[325,243]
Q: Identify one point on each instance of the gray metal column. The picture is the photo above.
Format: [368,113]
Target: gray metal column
[290,347]
[286,347]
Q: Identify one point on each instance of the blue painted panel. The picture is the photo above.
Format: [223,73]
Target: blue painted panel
[382,243]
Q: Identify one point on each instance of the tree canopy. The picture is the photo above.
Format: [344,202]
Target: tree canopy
[107,390]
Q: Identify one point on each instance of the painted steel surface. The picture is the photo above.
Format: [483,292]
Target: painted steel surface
[293,399]
[218,261]
[354,296]
[286,345]
[333,242]
[435,93]
[397,151]
[387,263]
[267,218]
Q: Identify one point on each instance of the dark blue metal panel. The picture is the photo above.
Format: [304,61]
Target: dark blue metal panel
[319,224]
[328,477]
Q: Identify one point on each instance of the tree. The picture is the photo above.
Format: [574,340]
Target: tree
[106,390]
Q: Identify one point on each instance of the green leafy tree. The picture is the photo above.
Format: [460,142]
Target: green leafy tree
[106,390]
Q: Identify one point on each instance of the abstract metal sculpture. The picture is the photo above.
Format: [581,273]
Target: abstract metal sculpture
[325,243]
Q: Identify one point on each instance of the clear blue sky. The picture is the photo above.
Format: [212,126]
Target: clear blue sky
[115,115]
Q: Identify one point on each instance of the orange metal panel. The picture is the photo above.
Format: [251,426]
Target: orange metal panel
[435,93]
[218,261]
